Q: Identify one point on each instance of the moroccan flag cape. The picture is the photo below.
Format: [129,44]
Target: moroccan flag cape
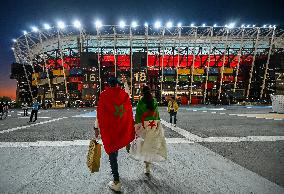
[115,119]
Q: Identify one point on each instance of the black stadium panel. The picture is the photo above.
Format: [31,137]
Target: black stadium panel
[88,59]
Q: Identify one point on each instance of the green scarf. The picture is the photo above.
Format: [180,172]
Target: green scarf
[142,110]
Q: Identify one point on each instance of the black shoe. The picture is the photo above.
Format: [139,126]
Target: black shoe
[34,121]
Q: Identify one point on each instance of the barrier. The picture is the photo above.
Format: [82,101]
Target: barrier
[277,103]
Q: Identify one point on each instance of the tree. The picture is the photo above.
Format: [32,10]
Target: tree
[5,98]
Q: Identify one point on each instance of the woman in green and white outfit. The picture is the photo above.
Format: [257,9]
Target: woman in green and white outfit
[150,144]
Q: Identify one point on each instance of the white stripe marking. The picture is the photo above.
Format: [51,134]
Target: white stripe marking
[70,143]
[182,132]
[26,126]
[232,114]
[213,112]
[204,111]
[195,138]
[222,113]
[194,110]
[241,139]
[168,140]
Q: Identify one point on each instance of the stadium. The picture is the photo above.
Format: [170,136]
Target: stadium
[67,64]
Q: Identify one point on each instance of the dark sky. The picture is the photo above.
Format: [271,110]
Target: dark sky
[16,16]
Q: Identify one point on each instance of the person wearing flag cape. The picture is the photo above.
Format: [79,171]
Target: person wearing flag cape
[116,124]
[150,144]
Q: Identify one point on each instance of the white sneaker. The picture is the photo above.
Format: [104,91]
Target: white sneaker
[175,125]
[115,187]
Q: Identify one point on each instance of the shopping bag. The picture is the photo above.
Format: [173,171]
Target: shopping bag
[94,156]
[136,148]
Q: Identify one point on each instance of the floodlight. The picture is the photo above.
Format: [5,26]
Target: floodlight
[60,25]
[122,24]
[179,25]
[46,26]
[169,24]
[98,24]
[157,24]
[134,24]
[34,29]
[77,24]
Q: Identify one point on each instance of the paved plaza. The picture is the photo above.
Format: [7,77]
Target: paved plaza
[213,149]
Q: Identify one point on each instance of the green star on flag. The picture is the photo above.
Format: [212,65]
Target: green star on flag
[119,110]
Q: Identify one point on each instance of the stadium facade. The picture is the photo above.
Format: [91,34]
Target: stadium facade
[197,64]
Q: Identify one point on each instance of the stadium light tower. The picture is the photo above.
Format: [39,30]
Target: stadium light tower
[122,24]
[215,25]
[46,26]
[60,25]
[179,25]
[25,32]
[203,25]
[14,40]
[146,24]
[77,24]
[169,24]
[192,25]
[98,24]
[157,24]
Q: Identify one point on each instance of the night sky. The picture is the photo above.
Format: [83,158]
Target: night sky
[16,16]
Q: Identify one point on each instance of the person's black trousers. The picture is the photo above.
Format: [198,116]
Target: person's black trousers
[34,112]
[173,114]
[114,165]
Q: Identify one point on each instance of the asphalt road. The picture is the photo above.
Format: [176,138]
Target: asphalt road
[223,149]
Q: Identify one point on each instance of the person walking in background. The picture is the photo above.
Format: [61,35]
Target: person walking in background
[172,110]
[35,108]
[115,125]
[25,107]
[150,144]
